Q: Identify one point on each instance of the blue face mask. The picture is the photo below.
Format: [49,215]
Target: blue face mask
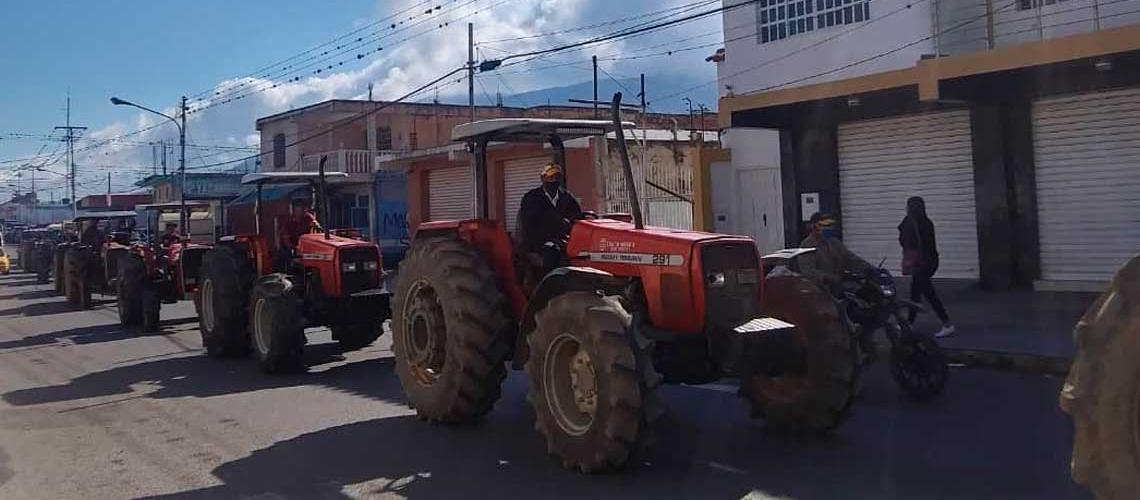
[829,233]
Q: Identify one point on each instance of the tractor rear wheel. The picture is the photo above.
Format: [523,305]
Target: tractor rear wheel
[817,397]
[222,302]
[58,276]
[1102,391]
[129,286]
[449,324]
[69,289]
[79,290]
[591,382]
[353,336]
[150,307]
[43,266]
[278,329]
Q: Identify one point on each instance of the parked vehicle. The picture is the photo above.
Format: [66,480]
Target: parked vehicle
[244,301]
[636,306]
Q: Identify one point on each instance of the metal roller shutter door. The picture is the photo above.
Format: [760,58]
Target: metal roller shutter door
[1087,156]
[519,176]
[450,194]
[883,162]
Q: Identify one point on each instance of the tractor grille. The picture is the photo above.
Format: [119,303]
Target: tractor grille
[360,279]
[736,299]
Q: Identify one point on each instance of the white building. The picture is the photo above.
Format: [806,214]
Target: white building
[1017,121]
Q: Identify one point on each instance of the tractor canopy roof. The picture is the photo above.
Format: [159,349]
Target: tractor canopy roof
[531,129]
[175,206]
[287,177]
[120,214]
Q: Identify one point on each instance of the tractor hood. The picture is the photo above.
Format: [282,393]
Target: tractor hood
[613,241]
[317,241]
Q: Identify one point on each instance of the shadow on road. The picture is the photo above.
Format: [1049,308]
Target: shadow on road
[91,334]
[32,295]
[48,308]
[200,376]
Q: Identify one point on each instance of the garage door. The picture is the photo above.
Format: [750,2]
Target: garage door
[1087,156]
[450,194]
[519,176]
[883,162]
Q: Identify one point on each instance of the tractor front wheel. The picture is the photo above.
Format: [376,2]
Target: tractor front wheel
[223,301]
[816,397]
[591,382]
[128,295]
[58,259]
[1102,391]
[79,290]
[449,319]
[150,307]
[278,327]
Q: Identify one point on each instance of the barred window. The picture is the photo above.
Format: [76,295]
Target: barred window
[779,19]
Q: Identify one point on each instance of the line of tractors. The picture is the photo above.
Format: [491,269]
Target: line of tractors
[631,307]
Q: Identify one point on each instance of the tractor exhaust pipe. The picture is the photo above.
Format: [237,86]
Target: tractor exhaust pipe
[322,188]
[635,203]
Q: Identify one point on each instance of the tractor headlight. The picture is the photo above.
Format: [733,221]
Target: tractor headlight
[715,280]
[371,265]
[348,267]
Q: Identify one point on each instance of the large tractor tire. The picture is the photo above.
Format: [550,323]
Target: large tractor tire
[359,335]
[1102,391]
[817,397]
[43,265]
[79,287]
[58,274]
[223,300]
[278,328]
[151,308]
[591,382]
[449,324]
[128,293]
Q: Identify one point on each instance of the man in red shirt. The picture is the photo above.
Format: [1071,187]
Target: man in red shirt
[170,237]
[301,221]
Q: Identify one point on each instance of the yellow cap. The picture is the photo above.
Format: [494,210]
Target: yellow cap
[551,171]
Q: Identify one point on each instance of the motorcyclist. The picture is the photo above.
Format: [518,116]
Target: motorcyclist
[831,257]
[544,218]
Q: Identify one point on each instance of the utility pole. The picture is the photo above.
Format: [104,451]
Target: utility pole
[153,159]
[108,190]
[471,68]
[182,170]
[702,109]
[70,138]
[690,103]
[163,142]
[595,59]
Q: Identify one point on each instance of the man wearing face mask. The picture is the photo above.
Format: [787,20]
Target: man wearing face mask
[545,216]
[831,258]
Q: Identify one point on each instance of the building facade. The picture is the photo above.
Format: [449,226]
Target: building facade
[1016,121]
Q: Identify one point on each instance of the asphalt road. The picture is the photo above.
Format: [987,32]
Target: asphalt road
[90,411]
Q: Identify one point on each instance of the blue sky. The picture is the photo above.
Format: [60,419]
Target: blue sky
[152,52]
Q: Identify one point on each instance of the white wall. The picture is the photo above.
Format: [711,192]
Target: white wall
[272,128]
[964,27]
[751,66]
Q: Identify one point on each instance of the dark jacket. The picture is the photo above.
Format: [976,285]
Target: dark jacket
[540,221]
[916,232]
[831,257]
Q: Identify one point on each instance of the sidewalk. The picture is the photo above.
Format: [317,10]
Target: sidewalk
[1020,322]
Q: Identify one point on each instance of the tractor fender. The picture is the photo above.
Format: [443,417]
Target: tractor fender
[555,283]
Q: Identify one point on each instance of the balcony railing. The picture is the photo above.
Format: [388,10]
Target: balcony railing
[349,161]
[974,25]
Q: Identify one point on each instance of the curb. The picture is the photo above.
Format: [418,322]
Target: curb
[1032,363]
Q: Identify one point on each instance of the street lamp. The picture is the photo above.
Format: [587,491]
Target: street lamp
[182,155]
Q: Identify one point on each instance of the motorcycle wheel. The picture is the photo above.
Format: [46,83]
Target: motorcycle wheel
[918,364]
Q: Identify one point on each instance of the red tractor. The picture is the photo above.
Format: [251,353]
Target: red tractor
[631,307]
[93,266]
[255,293]
[156,272]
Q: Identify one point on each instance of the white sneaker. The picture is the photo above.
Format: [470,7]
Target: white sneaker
[946,331]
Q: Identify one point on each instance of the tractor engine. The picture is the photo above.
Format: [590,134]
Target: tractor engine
[342,266]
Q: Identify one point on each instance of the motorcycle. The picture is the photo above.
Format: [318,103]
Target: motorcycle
[870,302]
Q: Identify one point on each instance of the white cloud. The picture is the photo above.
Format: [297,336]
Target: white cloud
[401,67]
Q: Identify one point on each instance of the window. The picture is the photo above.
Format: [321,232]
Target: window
[413,142]
[383,138]
[779,19]
[279,152]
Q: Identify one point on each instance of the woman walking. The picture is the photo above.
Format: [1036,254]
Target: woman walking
[920,260]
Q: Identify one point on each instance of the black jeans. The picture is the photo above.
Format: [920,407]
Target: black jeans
[921,286]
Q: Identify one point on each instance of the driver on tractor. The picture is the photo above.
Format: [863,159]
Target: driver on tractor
[301,221]
[92,236]
[545,216]
[170,237]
